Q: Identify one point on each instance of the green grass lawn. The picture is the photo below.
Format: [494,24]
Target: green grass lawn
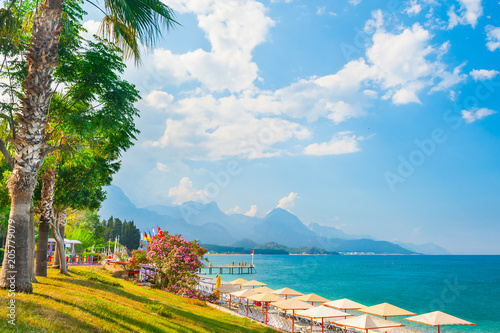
[91,300]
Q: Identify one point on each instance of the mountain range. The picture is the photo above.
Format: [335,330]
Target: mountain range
[208,224]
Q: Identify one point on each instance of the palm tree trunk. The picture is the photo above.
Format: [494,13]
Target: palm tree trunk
[15,271]
[31,247]
[30,141]
[46,215]
[41,252]
[57,257]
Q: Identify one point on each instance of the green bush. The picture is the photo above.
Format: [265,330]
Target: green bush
[1,255]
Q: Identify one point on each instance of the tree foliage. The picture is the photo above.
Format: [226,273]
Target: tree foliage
[128,233]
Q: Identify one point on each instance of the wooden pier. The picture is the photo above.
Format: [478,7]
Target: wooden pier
[228,269]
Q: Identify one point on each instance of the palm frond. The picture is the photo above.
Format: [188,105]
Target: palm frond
[125,37]
[143,19]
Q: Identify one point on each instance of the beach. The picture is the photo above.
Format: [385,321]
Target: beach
[419,284]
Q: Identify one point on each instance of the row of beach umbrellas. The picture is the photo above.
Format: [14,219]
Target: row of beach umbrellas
[303,305]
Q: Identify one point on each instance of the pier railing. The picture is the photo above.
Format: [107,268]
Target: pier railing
[228,269]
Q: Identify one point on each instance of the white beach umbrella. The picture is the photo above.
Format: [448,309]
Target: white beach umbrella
[367,322]
[438,318]
[292,304]
[386,310]
[321,312]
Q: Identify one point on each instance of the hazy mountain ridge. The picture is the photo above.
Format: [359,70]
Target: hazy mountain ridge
[428,248]
[208,224]
[332,232]
[267,248]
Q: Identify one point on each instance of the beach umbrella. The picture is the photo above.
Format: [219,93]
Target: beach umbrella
[253,284]
[227,289]
[263,290]
[291,304]
[265,298]
[321,312]
[313,298]
[438,318]
[344,304]
[366,322]
[217,285]
[287,292]
[238,282]
[244,294]
[386,310]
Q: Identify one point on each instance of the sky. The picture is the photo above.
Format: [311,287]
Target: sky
[375,117]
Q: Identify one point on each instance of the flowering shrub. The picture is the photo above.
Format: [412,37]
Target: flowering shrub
[138,257]
[177,261]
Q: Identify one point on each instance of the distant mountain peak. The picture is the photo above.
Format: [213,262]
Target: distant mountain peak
[207,223]
[278,210]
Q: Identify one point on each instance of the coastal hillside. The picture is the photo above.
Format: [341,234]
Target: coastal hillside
[208,224]
[91,300]
[267,248]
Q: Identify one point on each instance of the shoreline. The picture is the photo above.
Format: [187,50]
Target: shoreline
[372,280]
[324,254]
[211,281]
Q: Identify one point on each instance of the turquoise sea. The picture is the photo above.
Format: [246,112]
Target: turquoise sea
[467,287]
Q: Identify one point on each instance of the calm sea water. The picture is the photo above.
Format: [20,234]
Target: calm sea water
[467,287]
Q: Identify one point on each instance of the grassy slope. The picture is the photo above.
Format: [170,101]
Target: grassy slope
[89,301]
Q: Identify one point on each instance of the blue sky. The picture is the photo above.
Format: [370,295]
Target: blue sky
[375,117]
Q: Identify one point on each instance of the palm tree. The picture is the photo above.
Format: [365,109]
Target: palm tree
[128,22]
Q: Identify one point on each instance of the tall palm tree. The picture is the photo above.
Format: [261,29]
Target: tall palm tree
[128,22]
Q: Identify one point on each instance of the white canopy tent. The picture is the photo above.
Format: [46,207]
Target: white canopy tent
[66,241]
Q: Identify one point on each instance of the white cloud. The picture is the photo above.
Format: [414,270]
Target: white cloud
[159,99]
[450,79]
[413,8]
[493,37]
[288,202]
[370,93]
[249,122]
[469,12]
[472,116]
[341,143]
[375,22]
[233,28]
[234,210]
[252,212]
[186,192]
[92,28]
[162,167]
[405,96]
[354,2]
[401,58]
[483,74]
[321,10]
[214,129]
